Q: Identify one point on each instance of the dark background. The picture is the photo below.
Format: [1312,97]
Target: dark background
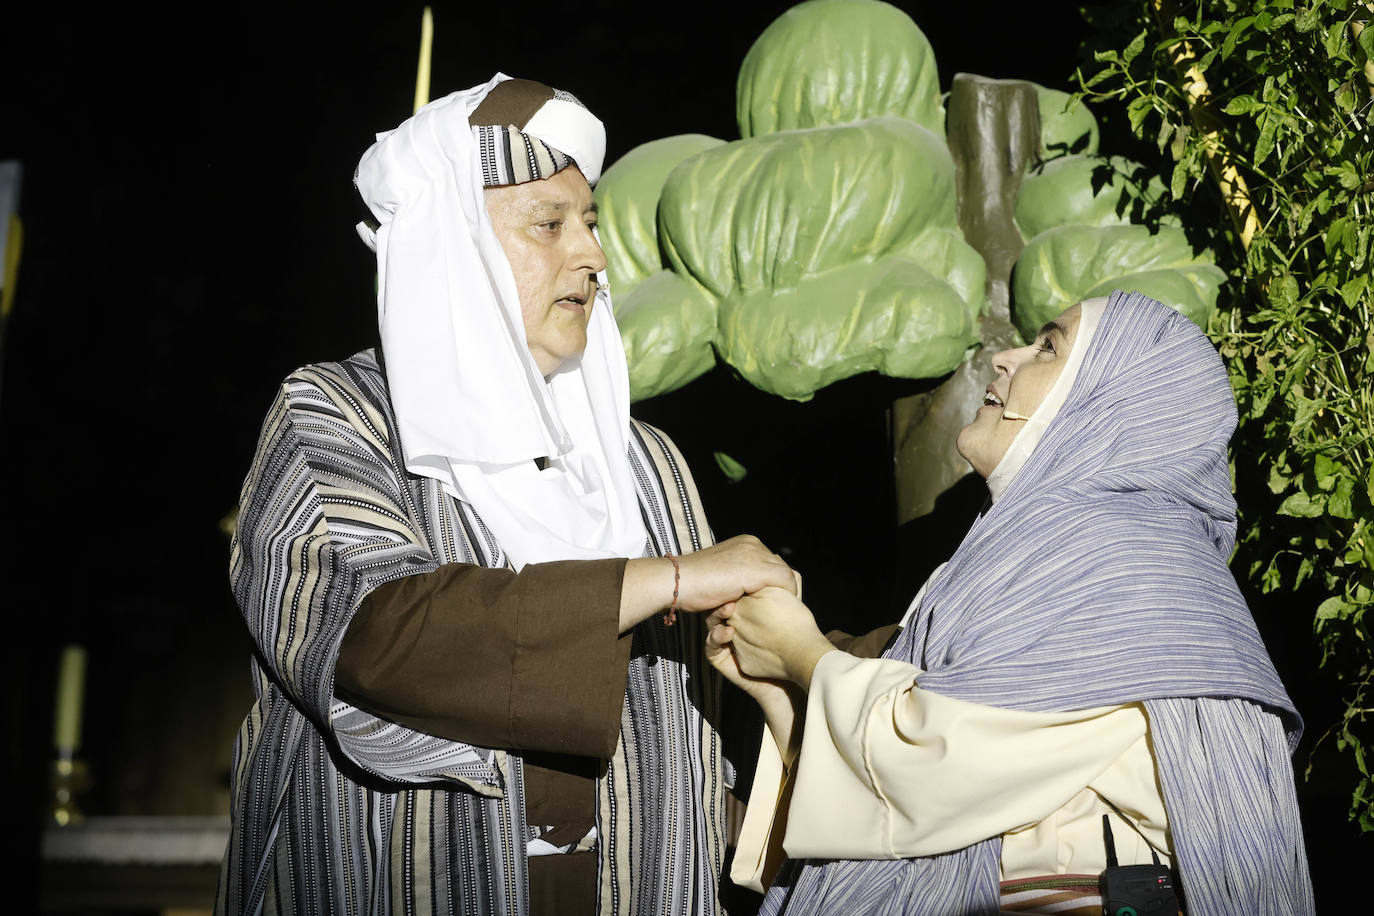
[188,216]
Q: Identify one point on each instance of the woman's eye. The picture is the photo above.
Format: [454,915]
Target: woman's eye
[1047,345]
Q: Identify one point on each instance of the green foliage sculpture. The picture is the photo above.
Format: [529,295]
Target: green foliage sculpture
[831,251]
[834,61]
[666,324]
[823,244]
[1081,215]
[1262,110]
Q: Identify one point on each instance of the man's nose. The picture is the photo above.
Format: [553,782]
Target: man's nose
[589,254]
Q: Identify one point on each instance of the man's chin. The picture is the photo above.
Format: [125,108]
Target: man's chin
[571,360]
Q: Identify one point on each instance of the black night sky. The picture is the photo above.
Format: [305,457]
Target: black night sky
[188,215]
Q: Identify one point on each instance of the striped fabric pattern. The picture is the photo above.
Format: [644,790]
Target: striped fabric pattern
[337,811]
[1100,577]
[510,156]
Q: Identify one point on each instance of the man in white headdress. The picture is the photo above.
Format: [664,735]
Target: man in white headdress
[452,555]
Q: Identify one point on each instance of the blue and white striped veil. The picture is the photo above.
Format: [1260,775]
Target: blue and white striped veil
[1100,577]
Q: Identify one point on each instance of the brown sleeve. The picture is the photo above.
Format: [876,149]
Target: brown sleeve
[869,645]
[527,661]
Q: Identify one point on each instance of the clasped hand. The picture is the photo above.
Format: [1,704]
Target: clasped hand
[768,635]
[700,581]
[734,567]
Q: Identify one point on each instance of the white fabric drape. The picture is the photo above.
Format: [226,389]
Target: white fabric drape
[473,410]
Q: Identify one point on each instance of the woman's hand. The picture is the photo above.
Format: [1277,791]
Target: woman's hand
[719,635]
[782,703]
[773,635]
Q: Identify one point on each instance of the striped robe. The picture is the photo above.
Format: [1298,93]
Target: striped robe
[338,811]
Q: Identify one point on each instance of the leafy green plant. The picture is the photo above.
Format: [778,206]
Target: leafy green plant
[1261,112]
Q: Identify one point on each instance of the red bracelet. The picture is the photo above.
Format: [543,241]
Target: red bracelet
[670,616]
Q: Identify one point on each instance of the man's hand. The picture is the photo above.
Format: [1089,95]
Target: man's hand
[730,569]
[706,579]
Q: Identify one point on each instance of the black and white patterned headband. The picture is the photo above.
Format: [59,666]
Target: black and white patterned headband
[511,156]
[526,131]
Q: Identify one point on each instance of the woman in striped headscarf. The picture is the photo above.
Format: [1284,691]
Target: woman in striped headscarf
[1085,652]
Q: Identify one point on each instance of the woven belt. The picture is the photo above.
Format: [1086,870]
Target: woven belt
[1062,895]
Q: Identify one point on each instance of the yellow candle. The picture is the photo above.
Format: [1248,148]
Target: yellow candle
[422,69]
[71,685]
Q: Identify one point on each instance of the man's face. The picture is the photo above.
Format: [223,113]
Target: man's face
[545,228]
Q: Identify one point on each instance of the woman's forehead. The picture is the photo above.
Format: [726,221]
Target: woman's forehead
[1066,324]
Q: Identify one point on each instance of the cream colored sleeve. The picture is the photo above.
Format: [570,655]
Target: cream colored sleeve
[758,851]
[888,770]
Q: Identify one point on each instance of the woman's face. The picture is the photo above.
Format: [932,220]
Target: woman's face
[1024,376]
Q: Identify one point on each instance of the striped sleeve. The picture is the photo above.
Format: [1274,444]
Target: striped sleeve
[324,518]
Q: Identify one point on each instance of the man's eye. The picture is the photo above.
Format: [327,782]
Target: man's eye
[1047,346]
[592,225]
[552,225]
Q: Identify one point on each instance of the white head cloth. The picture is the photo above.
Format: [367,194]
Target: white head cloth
[1090,313]
[472,409]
